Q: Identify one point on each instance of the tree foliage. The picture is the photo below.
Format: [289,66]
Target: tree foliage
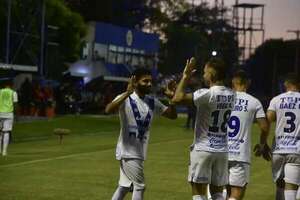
[198,31]
[129,13]
[270,62]
[185,30]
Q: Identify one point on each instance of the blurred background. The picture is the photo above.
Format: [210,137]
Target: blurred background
[74,56]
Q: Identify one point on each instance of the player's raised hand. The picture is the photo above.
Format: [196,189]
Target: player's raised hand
[130,86]
[190,67]
[170,89]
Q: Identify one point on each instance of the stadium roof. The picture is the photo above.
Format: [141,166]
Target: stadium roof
[25,68]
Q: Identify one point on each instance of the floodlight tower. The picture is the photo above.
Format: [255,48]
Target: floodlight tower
[248,22]
[219,5]
[24,28]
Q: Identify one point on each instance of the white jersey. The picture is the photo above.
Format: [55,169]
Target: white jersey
[134,136]
[214,106]
[246,109]
[287,133]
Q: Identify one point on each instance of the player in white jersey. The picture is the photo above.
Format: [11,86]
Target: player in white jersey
[247,109]
[136,110]
[285,110]
[209,152]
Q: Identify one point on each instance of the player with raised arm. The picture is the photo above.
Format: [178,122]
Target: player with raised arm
[247,109]
[136,109]
[209,152]
[285,110]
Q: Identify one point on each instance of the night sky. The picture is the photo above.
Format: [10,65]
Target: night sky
[280,15]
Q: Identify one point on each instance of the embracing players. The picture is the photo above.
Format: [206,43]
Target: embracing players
[247,109]
[209,152]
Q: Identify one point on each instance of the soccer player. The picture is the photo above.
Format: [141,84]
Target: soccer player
[285,110]
[247,109]
[7,99]
[136,109]
[209,152]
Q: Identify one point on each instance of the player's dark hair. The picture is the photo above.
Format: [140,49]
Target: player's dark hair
[242,76]
[220,67]
[139,72]
[292,78]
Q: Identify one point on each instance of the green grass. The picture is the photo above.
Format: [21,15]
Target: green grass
[84,166]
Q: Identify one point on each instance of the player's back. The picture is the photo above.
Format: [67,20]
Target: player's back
[287,108]
[214,106]
[246,109]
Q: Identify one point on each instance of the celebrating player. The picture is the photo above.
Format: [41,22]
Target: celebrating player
[136,110]
[285,110]
[209,152]
[247,109]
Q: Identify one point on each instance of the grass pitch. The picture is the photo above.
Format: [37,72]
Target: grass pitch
[84,166]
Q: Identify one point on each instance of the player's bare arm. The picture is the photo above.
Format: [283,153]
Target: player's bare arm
[263,148]
[180,96]
[171,112]
[115,104]
[271,116]
[170,89]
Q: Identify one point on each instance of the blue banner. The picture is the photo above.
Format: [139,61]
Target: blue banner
[119,36]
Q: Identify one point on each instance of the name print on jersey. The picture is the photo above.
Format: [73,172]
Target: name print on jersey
[224,101]
[289,103]
[241,105]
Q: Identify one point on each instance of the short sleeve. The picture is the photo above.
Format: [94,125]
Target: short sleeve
[260,113]
[200,97]
[272,105]
[159,107]
[15,97]
[122,106]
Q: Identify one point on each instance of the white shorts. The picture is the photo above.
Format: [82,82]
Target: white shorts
[239,173]
[132,173]
[6,124]
[287,167]
[208,167]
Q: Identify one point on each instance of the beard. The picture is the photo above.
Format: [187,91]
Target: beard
[144,89]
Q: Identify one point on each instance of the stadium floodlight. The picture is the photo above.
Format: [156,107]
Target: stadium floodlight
[214,53]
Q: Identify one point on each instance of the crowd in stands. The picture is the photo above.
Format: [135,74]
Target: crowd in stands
[72,96]
[68,97]
[35,100]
